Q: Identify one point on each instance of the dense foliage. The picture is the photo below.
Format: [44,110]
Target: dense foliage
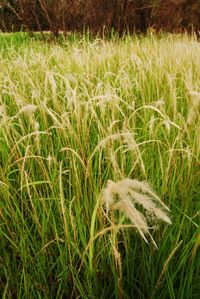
[100,15]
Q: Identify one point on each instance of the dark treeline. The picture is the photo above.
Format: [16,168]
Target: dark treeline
[99,15]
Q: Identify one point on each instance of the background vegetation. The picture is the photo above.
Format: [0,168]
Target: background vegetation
[72,116]
[100,15]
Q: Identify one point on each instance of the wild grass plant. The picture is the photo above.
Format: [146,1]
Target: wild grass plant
[86,127]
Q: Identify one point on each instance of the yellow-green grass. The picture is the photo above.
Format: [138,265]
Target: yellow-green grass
[74,115]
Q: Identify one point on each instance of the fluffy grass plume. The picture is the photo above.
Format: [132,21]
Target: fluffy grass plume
[124,195]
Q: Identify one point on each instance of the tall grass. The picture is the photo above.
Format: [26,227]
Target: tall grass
[74,116]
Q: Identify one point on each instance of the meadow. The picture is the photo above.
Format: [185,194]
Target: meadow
[82,121]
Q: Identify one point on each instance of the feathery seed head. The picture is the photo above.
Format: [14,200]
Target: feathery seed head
[28,108]
[194,108]
[126,195]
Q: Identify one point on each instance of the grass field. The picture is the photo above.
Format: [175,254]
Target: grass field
[75,116]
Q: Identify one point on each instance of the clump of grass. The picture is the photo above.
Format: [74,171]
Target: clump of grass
[73,115]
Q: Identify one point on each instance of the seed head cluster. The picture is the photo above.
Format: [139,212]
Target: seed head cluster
[137,201]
